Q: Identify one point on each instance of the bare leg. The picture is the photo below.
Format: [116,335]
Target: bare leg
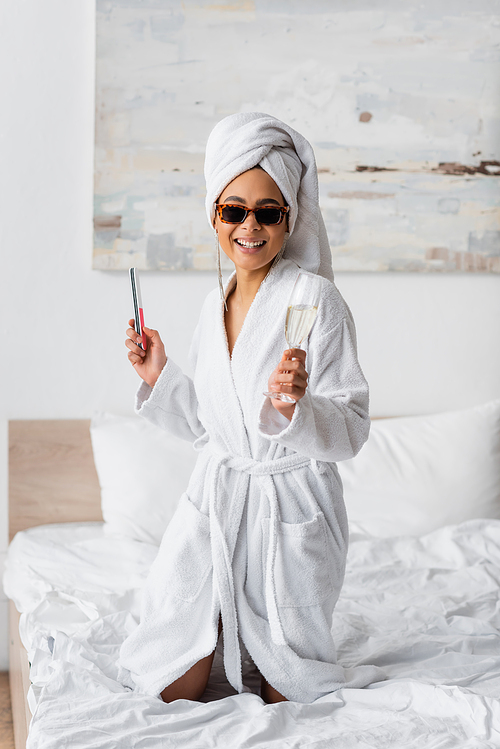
[269,694]
[192,684]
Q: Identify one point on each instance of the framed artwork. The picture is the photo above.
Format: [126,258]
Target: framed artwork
[399,102]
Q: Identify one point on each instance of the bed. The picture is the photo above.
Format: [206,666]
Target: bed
[420,600]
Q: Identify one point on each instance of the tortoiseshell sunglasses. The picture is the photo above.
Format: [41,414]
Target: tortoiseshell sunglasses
[236,214]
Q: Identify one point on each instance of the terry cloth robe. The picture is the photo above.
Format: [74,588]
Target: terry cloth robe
[260,534]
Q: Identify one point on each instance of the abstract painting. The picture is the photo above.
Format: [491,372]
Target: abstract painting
[399,101]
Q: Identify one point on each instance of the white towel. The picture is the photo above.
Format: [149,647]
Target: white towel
[241,141]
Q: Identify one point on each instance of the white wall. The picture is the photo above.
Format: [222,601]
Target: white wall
[426,342]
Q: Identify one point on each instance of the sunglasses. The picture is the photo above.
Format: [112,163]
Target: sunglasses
[236,214]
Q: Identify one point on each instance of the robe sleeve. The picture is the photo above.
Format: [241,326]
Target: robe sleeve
[331,422]
[172,404]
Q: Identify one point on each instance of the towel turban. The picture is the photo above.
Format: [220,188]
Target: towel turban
[241,141]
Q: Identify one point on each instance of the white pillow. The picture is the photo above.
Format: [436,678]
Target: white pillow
[142,473]
[416,474]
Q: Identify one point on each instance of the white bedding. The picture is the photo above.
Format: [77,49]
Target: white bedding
[425,609]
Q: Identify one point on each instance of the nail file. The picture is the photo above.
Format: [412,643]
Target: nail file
[137,302]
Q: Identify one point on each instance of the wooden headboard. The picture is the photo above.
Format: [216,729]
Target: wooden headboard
[52,477]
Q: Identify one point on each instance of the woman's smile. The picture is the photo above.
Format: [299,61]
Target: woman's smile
[250,246]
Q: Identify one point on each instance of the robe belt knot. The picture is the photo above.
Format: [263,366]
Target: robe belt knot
[264,467]
[222,553]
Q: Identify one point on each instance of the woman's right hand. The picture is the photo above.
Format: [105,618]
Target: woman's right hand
[148,364]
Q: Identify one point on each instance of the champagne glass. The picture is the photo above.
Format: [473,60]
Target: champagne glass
[300,316]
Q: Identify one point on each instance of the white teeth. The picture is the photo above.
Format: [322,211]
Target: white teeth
[249,245]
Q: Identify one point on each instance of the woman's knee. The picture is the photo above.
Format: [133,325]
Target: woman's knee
[269,694]
[192,684]
[176,691]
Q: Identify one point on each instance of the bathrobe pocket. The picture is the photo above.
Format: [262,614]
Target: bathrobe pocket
[187,556]
[304,564]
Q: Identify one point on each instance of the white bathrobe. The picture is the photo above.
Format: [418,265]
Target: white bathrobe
[260,535]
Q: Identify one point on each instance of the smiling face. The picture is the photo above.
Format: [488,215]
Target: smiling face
[250,245]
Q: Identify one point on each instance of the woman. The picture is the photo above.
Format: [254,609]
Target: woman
[257,545]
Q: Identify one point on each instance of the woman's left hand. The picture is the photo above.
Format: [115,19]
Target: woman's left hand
[289,378]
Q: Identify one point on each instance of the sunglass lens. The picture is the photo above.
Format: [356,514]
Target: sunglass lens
[268,216]
[233,214]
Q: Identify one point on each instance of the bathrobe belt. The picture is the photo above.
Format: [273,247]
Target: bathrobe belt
[223,543]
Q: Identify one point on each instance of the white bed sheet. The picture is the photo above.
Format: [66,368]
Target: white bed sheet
[427,610]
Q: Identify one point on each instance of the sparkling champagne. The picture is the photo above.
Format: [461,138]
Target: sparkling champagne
[301,313]
[299,321]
